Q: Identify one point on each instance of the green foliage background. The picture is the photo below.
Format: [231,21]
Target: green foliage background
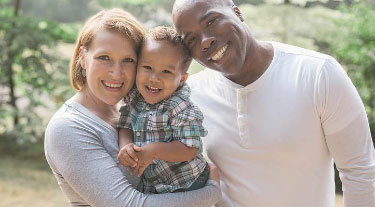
[30,48]
[354,46]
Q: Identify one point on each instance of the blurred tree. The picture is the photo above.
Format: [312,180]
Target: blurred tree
[31,69]
[254,2]
[59,10]
[354,46]
[150,12]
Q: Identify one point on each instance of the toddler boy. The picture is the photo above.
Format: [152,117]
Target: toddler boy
[159,127]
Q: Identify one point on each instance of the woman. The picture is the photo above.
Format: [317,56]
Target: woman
[81,138]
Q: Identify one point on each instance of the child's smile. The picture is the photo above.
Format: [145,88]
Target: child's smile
[159,70]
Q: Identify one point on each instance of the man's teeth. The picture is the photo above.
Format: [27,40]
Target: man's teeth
[113,85]
[220,53]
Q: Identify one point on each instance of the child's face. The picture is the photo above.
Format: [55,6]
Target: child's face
[159,70]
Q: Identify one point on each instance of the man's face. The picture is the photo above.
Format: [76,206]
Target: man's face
[214,33]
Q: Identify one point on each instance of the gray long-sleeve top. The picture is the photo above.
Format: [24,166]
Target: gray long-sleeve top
[82,149]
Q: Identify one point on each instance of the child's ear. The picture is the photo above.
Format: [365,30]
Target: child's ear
[184,78]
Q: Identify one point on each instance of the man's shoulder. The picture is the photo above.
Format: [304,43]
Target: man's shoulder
[203,78]
[291,51]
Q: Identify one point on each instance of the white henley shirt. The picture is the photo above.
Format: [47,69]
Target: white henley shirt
[276,139]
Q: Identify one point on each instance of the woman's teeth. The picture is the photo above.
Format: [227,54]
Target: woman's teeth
[113,85]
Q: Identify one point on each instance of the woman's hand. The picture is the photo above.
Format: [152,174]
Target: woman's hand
[145,157]
[214,173]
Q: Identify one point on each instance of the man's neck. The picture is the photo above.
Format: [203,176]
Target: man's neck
[256,63]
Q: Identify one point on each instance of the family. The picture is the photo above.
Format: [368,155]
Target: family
[272,118]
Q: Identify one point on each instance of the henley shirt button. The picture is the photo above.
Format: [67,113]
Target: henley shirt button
[147,107]
[138,134]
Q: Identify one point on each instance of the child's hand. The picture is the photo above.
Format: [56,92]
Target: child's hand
[214,173]
[127,155]
[145,157]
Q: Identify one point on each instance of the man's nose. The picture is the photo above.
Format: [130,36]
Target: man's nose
[207,42]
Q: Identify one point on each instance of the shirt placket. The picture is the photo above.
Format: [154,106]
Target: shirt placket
[243,125]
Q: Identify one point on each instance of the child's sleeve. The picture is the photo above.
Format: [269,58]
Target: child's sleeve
[127,110]
[187,127]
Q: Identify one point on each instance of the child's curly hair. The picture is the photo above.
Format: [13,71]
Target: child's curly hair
[169,34]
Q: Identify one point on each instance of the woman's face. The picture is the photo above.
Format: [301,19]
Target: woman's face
[110,63]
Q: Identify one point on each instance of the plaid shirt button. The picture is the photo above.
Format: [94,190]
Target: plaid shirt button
[138,134]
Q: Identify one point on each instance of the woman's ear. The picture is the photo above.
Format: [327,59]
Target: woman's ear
[82,56]
[184,78]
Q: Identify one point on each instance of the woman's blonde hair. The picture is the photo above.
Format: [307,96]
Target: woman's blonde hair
[115,20]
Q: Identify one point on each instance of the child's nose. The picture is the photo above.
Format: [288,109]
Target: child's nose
[153,77]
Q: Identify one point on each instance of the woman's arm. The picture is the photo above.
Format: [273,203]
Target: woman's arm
[76,153]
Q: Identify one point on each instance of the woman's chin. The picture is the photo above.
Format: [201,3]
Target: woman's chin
[113,102]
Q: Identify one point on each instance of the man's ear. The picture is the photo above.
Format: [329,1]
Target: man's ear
[184,78]
[238,12]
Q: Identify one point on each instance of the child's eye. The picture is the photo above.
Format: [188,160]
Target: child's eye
[211,21]
[166,71]
[129,60]
[103,57]
[147,67]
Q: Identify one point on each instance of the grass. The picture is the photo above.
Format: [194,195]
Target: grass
[28,183]
[31,183]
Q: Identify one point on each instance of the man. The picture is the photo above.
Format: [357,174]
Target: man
[277,116]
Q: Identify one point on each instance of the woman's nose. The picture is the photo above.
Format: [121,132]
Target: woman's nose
[116,71]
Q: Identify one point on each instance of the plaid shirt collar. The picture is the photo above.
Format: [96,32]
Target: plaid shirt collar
[180,95]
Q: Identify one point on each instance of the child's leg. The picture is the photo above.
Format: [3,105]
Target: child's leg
[200,182]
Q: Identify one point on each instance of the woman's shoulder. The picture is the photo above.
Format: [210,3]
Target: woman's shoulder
[65,117]
[71,120]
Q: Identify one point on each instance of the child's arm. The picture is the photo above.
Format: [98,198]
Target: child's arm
[174,151]
[125,136]
[126,155]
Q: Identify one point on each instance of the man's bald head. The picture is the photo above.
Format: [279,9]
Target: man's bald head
[180,5]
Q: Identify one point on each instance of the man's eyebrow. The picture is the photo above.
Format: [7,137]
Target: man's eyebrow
[206,16]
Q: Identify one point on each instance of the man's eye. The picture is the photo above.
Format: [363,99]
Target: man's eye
[103,57]
[190,41]
[129,60]
[211,21]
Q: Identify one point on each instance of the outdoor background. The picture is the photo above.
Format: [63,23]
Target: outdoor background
[37,39]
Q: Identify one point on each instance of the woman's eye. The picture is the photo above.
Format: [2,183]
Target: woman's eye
[103,57]
[211,21]
[129,60]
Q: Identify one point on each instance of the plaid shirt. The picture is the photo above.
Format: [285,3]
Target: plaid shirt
[175,118]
